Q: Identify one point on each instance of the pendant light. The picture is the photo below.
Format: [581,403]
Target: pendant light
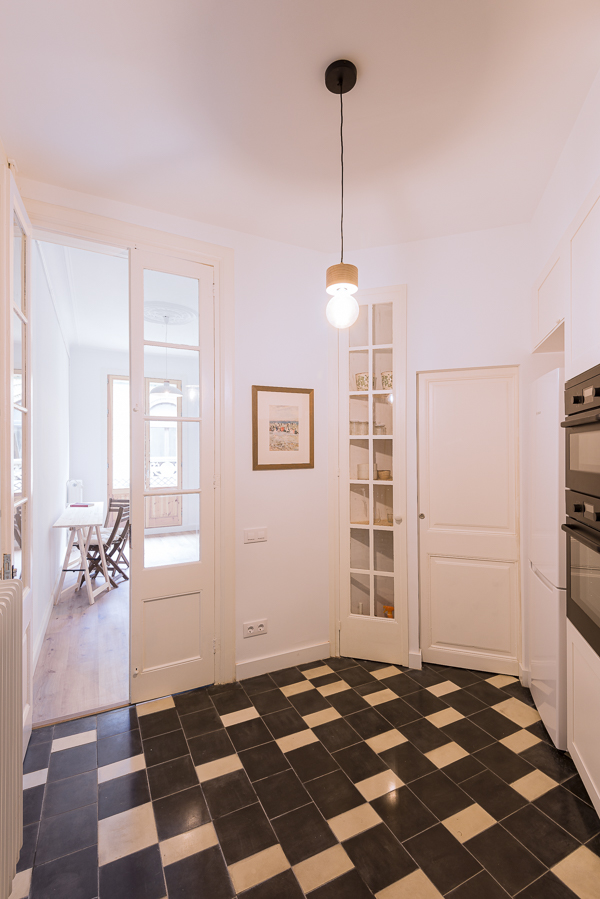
[166,387]
[342,279]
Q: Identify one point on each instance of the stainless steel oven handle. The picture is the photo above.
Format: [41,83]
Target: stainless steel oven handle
[582,536]
[581,420]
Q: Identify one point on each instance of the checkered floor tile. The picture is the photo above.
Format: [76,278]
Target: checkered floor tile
[335,780]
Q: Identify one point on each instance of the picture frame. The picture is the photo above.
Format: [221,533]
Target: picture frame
[283,428]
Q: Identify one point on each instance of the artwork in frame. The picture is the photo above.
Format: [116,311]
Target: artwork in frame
[282,428]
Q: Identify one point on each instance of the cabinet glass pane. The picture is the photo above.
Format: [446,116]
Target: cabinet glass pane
[360,556]
[383,459]
[172,455]
[383,409]
[179,368]
[384,596]
[171,305]
[359,460]
[18,355]
[359,370]
[359,415]
[359,504]
[17,474]
[359,332]
[383,376]
[382,324]
[18,532]
[383,505]
[383,550]
[18,265]
[120,434]
[360,594]
[171,529]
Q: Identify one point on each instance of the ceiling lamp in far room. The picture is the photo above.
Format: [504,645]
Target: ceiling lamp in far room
[342,279]
[166,388]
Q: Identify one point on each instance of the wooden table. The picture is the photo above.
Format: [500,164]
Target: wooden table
[83,520]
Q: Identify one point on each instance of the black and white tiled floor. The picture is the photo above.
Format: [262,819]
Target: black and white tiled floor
[335,780]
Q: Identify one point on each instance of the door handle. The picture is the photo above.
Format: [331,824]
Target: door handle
[421,515]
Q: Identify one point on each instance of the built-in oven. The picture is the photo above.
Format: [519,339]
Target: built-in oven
[583,580]
[582,425]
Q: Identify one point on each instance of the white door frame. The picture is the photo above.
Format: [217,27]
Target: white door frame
[71,223]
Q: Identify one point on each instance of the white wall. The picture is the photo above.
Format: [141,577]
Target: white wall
[50,422]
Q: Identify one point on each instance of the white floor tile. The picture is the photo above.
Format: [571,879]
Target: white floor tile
[321,868]
[385,741]
[442,689]
[517,711]
[501,680]
[468,823]
[415,886]
[21,884]
[219,767]
[119,769]
[186,844]
[383,673]
[520,741]
[380,696]
[445,755]
[355,821]
[322,717]
[155,705]
[445,717]
[295,741]
[534,785]
[262,866]
[300,687]
[318,671]
[35,778]
[337,686]
[125,833]
[580,871]
[74,740]
[379,784]
[239,717]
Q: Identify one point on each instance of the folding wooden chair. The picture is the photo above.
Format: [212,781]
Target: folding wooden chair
[94,556]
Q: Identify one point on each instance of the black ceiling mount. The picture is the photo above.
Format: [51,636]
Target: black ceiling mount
[340,76]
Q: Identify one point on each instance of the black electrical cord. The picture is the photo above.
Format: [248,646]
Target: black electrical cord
[342,163]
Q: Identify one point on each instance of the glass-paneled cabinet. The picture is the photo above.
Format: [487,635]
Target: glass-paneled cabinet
[372,469]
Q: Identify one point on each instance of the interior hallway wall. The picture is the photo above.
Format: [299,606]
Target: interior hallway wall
[50,423]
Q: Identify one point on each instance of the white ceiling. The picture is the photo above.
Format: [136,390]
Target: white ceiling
[216,109]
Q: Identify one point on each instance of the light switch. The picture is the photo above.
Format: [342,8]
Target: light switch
[255,535]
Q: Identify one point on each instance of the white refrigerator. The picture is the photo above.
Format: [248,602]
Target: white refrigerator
[547,557]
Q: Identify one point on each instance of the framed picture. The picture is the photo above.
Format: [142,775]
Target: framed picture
[283,425]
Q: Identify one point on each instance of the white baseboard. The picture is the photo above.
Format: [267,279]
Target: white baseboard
[525,676]
[39,640]
[254,667]
[415,659]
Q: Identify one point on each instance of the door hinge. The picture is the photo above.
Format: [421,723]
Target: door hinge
[6,566]
[216,480]
[214,647]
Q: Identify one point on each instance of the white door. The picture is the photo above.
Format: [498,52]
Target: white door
[372,464]
[172,397]
[468,518]
[15,412]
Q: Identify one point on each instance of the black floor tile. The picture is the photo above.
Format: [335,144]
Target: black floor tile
[311,761]
[205,721]
[228,793]
[248,734]
[576,786]
[71,793]
[74,876]
[570,812]
[513,866]
[493,794]
[341,663]
[231,701]
[594,845]
[37,757]
[69,762]
[486,693]
[263,761]
[374,686]
[369,665]
[495,724]
[281,793]
[203,875]
[468,735]
[259,684]
[518,691]
[425,677]
[440,794]
[348,701]
[120,746]
[424,735]
[273,701]
[538,730]
[463,769]
[555,764]
[67,833]
[245,833]
[462,677]
[356,676]
[407,762]
[303,833]
[41,735]
[309,702]
[378,857]
[171,777]
[116,722]
[30,835]
[404,814]
[334,794]
[326,679]
[210,747]
[538,833]
[425,702]
[359,762]
[283,886]
[338,734]
[548,887]
[192,701]
[164,748]
[32,804]
[284,723]
[464,702]
[397,712]
[122,793]
[349,886]
[136,876]
[286,676]
[504,762]
[482,886]
[400,684]
[76,726]
[180,812]
[159,723]
[442,858]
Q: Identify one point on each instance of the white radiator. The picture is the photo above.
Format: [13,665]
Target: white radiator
[11,732]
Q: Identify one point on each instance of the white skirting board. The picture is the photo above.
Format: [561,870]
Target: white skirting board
[415,659]
[583,711]
[525,676]
[254,667]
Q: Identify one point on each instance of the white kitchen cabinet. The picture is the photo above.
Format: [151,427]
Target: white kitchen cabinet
[583,711]
[550,302]
[583,351]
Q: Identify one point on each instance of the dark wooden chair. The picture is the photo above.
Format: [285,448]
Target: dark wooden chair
[108,543]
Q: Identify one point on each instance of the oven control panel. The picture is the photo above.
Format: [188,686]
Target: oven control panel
[585,509]
[583,392]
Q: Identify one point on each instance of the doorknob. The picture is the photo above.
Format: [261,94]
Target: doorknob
[398,520]
[421,515]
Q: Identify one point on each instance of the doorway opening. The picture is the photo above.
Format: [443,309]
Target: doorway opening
[81,420]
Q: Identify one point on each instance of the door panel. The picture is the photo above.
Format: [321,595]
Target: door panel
[469,543]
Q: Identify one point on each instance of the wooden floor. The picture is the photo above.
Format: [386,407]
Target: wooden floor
[84,662]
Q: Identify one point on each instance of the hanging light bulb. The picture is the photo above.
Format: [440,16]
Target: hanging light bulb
[166,387]
[342,279]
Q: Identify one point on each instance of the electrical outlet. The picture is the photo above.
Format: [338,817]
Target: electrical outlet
[255,535]
[254,628]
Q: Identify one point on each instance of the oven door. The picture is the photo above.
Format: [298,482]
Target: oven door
[583,581]
[583,454]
